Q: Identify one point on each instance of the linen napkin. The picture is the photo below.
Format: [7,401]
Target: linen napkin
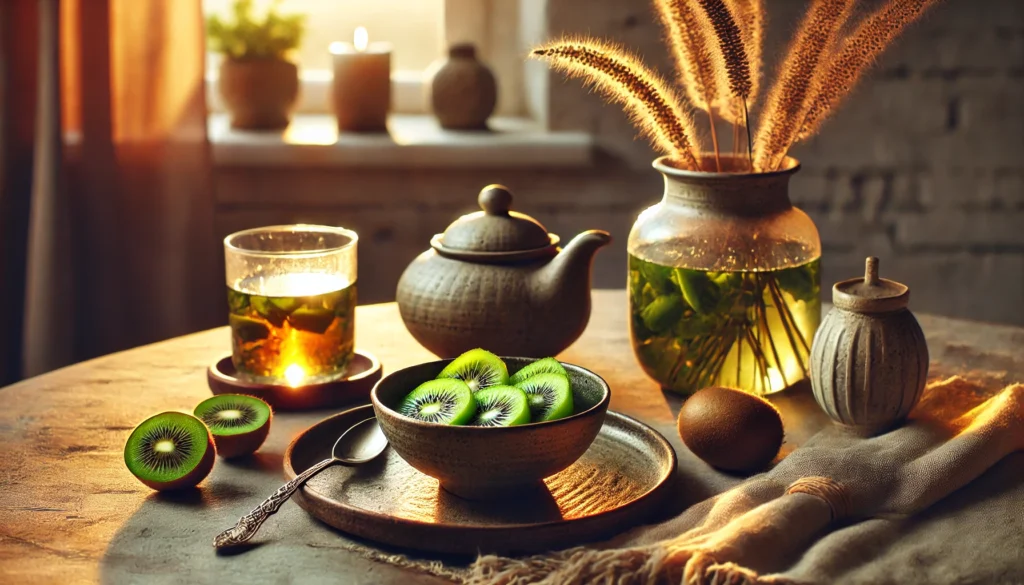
[764,524]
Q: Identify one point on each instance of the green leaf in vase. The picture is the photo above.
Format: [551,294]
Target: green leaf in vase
[698,290]
[662,313]
[659,277]
[798,282]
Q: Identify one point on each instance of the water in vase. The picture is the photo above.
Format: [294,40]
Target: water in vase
[750,330]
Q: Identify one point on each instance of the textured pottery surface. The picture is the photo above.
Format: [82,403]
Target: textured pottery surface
[496,279]
[259,93]
[483,462]
[869,361]
[463,91]
[620,482]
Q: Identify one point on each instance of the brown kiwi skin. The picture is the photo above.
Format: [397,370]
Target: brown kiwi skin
[730,429]
[232,446]
[194,477]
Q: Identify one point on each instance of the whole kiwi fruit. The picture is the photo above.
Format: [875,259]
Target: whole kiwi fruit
[730,429]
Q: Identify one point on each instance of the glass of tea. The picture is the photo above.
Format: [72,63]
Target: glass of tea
[292,301]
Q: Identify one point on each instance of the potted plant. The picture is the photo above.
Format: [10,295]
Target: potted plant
[258,83]
[723,272]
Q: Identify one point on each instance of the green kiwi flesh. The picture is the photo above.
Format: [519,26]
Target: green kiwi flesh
[550,396]
[444,401]
[501,406]
[239,424]
[547,365]
[170,451]
[478,368]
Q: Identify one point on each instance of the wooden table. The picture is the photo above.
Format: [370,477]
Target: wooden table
[71,512]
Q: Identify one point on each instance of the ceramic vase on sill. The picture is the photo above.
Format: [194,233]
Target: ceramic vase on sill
[259,93]
[724,281]
[463,91]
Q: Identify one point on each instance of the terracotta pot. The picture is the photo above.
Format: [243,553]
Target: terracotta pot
[485,462]
[869,361]
[259,93]
[463,91]
[497,279]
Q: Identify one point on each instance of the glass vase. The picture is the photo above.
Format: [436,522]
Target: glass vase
[724,283]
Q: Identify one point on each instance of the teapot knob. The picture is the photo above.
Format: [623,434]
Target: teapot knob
[495,200]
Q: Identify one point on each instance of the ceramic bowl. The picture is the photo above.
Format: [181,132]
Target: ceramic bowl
[486,462]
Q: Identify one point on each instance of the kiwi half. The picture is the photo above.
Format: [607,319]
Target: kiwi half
[550,396]
[239,423]
[501,406]
[478,368]
[445,401]
[170,451]
[548,365]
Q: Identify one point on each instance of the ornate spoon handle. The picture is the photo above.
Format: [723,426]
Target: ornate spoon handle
[248,525]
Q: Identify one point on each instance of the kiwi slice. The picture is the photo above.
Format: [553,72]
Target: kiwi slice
[550,396]
[548,365]
[478,368]
[501,406]
[444,401]
[170,451]
[239,423]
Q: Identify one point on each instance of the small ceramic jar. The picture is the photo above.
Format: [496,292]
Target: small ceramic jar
[463,91]
[869,360]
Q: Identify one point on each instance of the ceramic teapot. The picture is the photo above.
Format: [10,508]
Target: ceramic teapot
[497,279]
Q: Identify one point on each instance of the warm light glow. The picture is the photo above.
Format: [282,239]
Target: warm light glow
[336,48]
[294,375]
[361,39]
[164,446]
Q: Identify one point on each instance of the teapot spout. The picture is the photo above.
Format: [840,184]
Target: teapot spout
[569,271]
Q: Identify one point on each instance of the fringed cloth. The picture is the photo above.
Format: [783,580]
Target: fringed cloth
[754,531]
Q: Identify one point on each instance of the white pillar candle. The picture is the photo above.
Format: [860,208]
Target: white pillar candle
[361,91]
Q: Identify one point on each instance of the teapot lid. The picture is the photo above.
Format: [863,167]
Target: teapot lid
[870,294]
[495,231]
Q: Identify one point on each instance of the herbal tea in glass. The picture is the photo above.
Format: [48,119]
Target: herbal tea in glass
[291,321]
[751,330]
[291,300]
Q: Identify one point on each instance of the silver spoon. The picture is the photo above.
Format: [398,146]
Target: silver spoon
[359,444]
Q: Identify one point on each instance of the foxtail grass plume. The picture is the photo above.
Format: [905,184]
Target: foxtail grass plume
[730,42]
[623,78]
[718,53]
[856,54]
[800,76]
[750,17]
[694,56]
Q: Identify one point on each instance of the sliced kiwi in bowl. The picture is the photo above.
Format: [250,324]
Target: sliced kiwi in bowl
[478,368]
[239,423]
[548,365]
[501,406]
[549,395]
[170,451]
[445,401]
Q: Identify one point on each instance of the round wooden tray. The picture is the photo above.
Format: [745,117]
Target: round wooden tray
[620,482]
[363,372]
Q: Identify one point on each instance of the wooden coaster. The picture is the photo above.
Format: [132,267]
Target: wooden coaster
[363,372]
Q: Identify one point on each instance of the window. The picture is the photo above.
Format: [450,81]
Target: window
[419,35]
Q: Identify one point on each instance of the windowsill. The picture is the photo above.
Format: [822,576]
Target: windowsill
[412,141]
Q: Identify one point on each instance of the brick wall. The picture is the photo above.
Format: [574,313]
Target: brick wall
[923,167]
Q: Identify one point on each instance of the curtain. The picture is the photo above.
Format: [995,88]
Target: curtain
[108,241]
